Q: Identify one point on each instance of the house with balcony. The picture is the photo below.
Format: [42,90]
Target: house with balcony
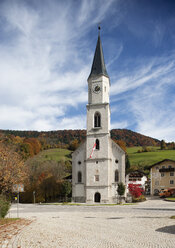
[162,176]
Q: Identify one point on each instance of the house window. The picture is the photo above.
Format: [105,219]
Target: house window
[169,166]
[116,176]
[171,181]
[97,120]
[172,174]
[97,144]
[79,177]
[96,178]
[162,174]
[157,168]
[96,162]
[116,161]
[163,167]
[79,162]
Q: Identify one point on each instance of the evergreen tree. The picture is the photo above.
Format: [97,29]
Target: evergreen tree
[162,145]
[121,189]
[127,164]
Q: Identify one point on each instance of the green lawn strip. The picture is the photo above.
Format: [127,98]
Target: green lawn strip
[84,204]
[77,204]
[4,221]
[172,217]
[170,198]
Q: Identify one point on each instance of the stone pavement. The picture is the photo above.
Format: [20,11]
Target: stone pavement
[146,225]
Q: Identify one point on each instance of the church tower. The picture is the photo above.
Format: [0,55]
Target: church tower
[99,163]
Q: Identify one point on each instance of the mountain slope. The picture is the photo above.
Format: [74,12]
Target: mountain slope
[66,136]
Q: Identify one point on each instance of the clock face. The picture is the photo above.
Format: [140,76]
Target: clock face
[96,89]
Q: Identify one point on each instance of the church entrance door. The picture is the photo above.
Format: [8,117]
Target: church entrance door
[97,197]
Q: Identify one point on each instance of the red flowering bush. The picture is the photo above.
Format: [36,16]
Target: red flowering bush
[135,190]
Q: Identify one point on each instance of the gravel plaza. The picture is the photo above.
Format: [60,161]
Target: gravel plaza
[146,224]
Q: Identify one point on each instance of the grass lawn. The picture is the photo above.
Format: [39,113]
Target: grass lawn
[56,154]
[7,221]
[148,158]
[84,204]
[137,160]
[170,198]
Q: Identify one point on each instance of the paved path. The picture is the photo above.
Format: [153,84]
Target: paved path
[133,226]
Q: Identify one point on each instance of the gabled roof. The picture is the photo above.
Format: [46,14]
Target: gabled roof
[98,65]
[115,144]
[164,160]
[137,173]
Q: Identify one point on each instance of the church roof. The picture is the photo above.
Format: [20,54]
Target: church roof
[98,65]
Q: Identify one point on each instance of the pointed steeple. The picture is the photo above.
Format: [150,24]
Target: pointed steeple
[98,65]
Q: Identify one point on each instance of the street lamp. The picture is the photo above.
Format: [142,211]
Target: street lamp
[34,197]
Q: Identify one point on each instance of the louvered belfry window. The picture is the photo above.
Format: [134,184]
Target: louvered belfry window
[97,120]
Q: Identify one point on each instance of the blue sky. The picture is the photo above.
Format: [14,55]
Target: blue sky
[46,52]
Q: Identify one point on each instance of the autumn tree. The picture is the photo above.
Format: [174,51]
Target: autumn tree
[12,169]
[34,145]
[74,145]
[45,178]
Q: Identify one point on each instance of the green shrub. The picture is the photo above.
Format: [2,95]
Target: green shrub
[121,189]
[4,206]
[139,199]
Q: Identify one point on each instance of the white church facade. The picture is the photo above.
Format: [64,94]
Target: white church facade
[98,164]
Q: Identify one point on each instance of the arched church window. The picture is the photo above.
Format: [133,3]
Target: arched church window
[116,176]
[79,177]
[97,120]
[97,144]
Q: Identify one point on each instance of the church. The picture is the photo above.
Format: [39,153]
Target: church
[98,164]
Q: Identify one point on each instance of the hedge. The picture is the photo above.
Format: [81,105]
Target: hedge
[4,206]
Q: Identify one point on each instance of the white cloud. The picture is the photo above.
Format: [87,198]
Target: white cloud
[78,122]
[153,107]
[122,124]
[147,93]
[144,72]
[42,68]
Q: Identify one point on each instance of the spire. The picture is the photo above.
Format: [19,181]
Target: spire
[98,65]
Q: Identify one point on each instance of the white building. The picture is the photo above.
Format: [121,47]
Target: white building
[99,163]
[138,178]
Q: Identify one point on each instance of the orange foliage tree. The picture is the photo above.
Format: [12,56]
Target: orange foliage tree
[34,146]
[12,169]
